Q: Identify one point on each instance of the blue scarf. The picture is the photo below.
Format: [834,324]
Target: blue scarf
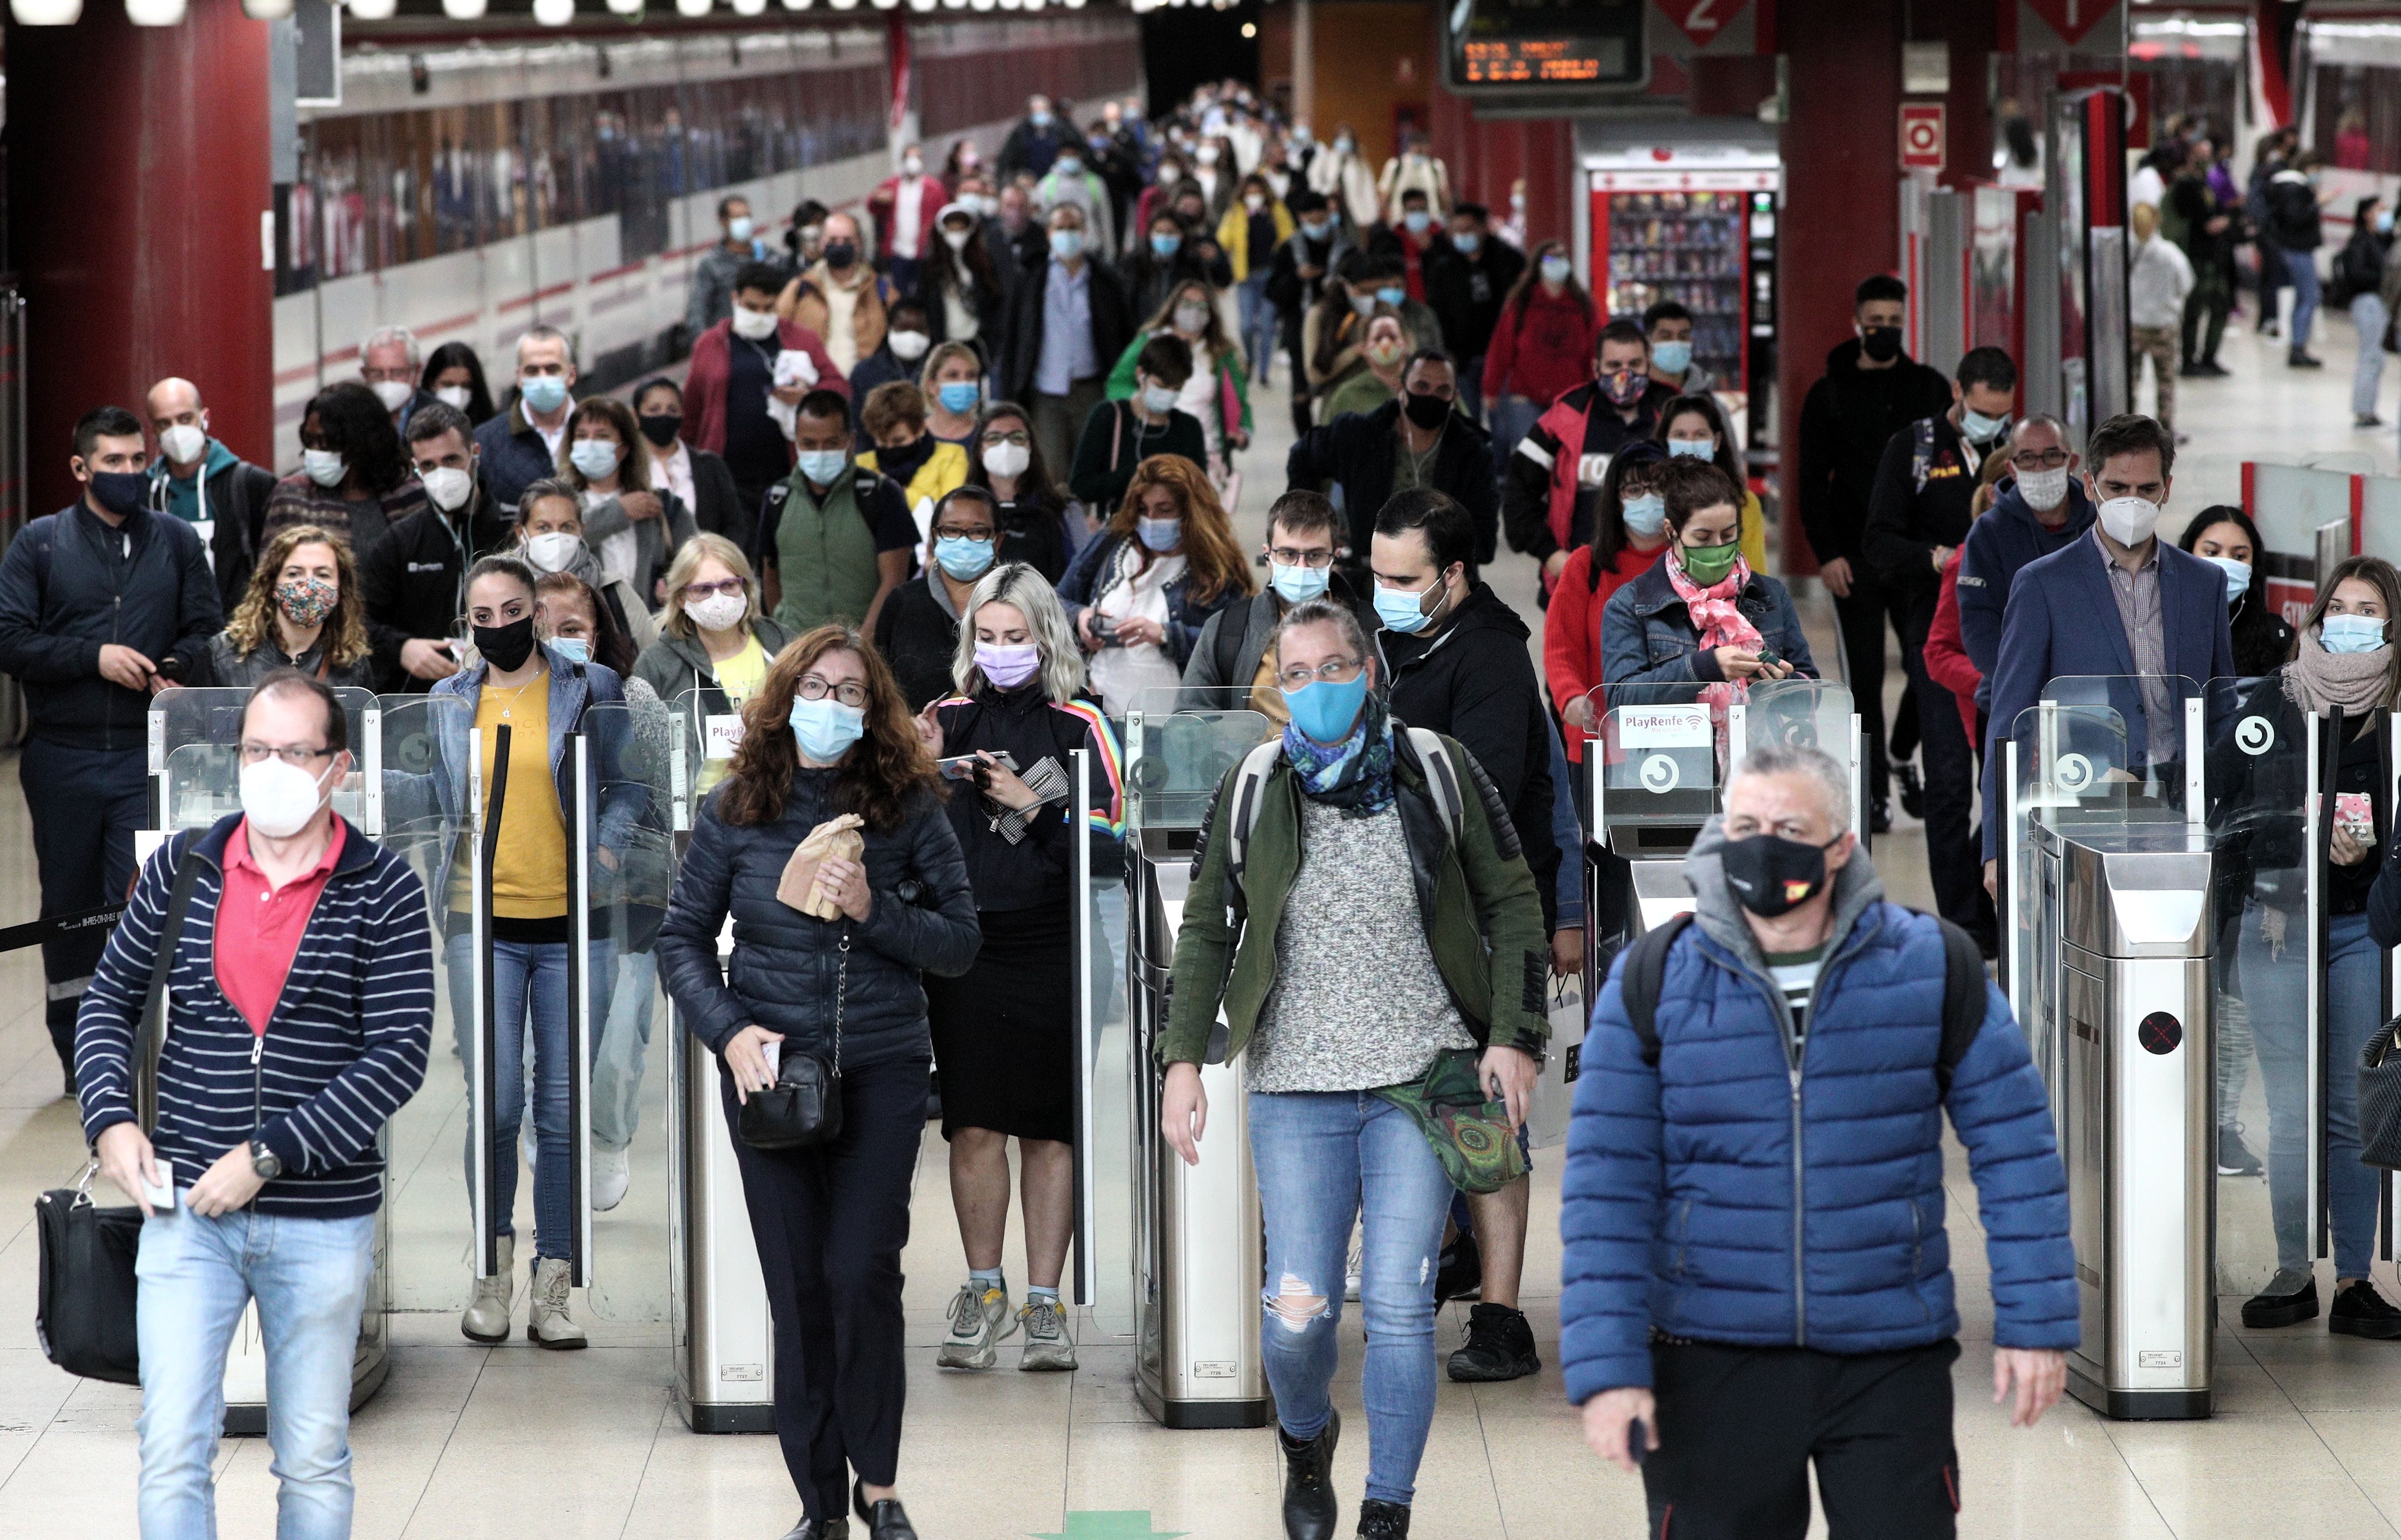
[1355,774]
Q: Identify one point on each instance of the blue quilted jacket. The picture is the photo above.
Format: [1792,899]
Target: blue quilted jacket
[1735,1193]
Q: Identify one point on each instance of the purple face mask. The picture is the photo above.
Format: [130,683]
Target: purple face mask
[1008,665]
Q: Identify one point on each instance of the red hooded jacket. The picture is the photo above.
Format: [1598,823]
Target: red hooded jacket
[712,370]
[1542,348]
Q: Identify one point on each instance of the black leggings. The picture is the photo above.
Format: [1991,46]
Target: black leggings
[1740,1428]
[831,1222]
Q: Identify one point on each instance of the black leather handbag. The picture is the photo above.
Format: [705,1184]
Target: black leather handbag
[803,1107]
[83,1299]
[2380,1099]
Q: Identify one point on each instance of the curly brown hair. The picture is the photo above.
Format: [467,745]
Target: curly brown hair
[1210,554]
[346,629]
[882,773]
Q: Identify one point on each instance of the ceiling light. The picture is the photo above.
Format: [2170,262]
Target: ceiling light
[373,10]
[462,11]
[266,10]
[154,13]
[553,13]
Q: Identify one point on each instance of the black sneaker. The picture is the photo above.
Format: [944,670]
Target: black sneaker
[2291,1296]
[2359,1311]
[1913,790]
[1382,1521]
[1310,1510]
[1500,1346]
[2297,360]
[2212,369]
[1459,1273]
[2366,420]
[2234,1157]
[1879,819]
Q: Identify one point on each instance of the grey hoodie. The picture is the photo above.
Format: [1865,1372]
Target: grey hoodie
[1719,915]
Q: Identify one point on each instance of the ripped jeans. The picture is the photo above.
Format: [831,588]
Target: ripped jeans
[1322,1159]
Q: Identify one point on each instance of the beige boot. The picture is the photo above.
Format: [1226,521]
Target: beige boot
[547,1323]
[486,1316]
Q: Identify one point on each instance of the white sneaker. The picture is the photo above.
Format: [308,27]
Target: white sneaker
[486,1316]
[611,1173]
[980,1319]
[1046,1346]
[547,1323]
[1353,1268]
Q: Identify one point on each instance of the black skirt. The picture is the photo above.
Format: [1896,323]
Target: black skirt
[1005,1031]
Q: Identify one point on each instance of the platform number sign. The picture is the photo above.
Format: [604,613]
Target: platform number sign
[1921,135]
[1701,19]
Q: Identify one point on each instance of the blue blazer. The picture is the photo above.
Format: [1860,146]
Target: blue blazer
[2062,620]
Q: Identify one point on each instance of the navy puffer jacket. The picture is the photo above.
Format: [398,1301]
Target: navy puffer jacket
[1729,1196]
[784,963]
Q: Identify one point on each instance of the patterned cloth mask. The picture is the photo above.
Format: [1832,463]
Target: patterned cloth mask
[306,601]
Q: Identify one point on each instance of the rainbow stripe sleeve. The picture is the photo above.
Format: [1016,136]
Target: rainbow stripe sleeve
[1111,764]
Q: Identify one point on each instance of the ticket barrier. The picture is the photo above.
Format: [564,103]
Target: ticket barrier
[2113,860]
[1198,1250]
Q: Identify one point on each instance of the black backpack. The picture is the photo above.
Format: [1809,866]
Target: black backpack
[1963,992]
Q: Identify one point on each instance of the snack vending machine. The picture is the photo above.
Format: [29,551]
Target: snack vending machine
[1695,223]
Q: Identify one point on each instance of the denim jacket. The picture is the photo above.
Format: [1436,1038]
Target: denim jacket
[1647,637]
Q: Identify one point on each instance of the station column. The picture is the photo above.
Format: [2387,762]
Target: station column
[138,179]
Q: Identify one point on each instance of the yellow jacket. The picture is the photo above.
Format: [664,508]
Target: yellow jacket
[944,469]
[1234,234]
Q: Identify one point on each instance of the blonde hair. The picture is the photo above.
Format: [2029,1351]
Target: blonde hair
[1019,586]
[943,353]
[686,565]
[345,629]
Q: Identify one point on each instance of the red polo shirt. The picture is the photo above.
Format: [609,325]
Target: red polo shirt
[264,924]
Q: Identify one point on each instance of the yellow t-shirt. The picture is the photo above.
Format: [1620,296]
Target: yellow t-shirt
[530,870]
[740,677]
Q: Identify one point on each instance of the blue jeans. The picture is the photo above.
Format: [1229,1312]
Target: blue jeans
[528,986]
[2276,991]
[2301,271]
[1470,386]
[1512,417]
[1323,1159]
[2367,318]
[1258,324]
[617,1060]
[309,1278]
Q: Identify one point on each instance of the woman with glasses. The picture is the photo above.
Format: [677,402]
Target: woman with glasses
[1005,1031]
[713,636]
[1035,527]
[917,630]
[1406,928]
[303,610]
[633,528]
[541,695]
[1142,592]
[827,736]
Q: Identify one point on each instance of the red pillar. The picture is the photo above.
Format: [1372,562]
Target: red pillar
[1841,207]
[138,171]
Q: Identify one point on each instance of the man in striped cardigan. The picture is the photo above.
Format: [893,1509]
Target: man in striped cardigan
[293,1034]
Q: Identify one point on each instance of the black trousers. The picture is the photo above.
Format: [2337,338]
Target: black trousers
[1298,380]
[831,1222]
[85,804]
[1953,858]
[1740,1428]
[1860,619]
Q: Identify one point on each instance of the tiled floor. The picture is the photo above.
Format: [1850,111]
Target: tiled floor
[467,1441]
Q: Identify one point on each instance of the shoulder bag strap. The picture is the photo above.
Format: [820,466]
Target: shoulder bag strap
[1646,969]
[150,1034]
[841,988]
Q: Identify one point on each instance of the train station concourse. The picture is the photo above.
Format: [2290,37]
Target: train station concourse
[1935,458]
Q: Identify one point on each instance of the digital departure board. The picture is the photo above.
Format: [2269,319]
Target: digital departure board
[1540,47]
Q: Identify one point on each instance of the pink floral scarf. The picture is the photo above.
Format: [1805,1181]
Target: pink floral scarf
[1718,618]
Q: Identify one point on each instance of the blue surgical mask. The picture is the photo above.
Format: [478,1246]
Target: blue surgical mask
[573,649]
[594,457]
[1393,295]
[1165,245]
[2238,575]
[1400,610]
[1672,357]
[1300,584]
[1158,399]
[821,466]
[965,559]
[1692,449]
[1416,220]
[1161,534]
[1556,269]
[544,394]
[2350,633]
[825,729]
[1067,244]
[2384,221]
[1326,711]
[1979,429]
[739,227]
[1466,244]
[1645,515]
[1316,229]
[957,395]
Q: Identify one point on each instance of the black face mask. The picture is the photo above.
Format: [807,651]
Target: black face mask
[121,492]
[662,429]
[1771,876]
[840,254]
[1881,343]
[506,647]
[1425,410]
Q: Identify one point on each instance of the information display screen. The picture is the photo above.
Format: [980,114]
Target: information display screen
[1546,45]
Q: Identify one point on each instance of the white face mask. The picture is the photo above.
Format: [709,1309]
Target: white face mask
[2044,491]
[183,443]
[956,240]
[716,613]
[1007,461]
[393,394]
[448,488]
[758,325]
[1253,202]
[2128,520]
[325,467]
[913,166]
[453,395]
[553,552]
[908,347]
[279,799]
[1191,320]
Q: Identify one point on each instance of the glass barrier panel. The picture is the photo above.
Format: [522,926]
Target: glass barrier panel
[1659,761]
[1178,745]
[2151,709]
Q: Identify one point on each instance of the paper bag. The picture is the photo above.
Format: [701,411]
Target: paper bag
[836,839]
[1554,1087]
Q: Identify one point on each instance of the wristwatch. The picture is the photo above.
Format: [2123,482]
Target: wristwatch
[264,1161]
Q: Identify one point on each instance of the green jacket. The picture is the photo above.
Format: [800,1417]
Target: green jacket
[1476,891]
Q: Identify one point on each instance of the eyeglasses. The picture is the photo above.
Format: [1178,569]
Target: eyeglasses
[729,587]
[1020,438]
[290,753]
[953,531]
[2039,460]
[1333,671]
[849,692]
[1285,556]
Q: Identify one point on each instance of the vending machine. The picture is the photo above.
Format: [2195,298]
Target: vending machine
[1672,218]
